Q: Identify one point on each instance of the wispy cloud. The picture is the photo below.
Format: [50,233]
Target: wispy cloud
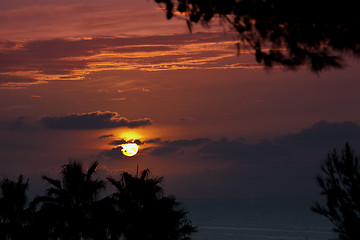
[117,99]
[38,62]
[105,136]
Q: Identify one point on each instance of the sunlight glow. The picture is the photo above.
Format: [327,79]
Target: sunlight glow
[129,149]
[130,135]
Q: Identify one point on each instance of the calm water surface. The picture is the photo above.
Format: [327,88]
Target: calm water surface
[220,219]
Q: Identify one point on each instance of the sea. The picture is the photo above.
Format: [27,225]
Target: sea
[256,219]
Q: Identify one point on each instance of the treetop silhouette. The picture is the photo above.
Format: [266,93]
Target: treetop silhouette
[68,203]
[71,209]
[146,211]
[288,33]
[13,211]
[340,184]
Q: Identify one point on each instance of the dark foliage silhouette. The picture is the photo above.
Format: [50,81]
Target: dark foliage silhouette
[145,213]
[71,209]
[66,210]
[289,33]
[13,212]
[340,184]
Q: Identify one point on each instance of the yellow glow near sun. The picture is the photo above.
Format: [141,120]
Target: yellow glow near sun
[129,149]
[129,135]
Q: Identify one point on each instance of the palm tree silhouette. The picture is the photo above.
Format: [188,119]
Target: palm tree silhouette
[13,212]
[67,209]
[71,209]
[143,212]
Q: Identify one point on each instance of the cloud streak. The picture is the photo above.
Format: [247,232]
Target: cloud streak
[92,120]
[41,61]
[319,139]
[123,141]
[105,136]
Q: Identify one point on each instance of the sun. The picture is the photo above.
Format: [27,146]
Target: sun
[129,149]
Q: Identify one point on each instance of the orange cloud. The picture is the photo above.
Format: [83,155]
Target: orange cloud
[38,62]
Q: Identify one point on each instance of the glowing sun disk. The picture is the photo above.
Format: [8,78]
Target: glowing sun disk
[129,149]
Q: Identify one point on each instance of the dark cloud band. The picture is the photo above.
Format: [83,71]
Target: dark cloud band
[124,141]
[319,138]
[105,136]
[114,153]
[92,120]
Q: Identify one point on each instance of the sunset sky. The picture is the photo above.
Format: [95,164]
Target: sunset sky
[79,78]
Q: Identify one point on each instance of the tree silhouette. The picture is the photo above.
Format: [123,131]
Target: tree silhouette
[290,33]
[145,213]
[67,209]
[340,183]
[13,212]
[72,210]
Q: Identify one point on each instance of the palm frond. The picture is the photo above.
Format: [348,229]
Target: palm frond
[91,170]
[53,182]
